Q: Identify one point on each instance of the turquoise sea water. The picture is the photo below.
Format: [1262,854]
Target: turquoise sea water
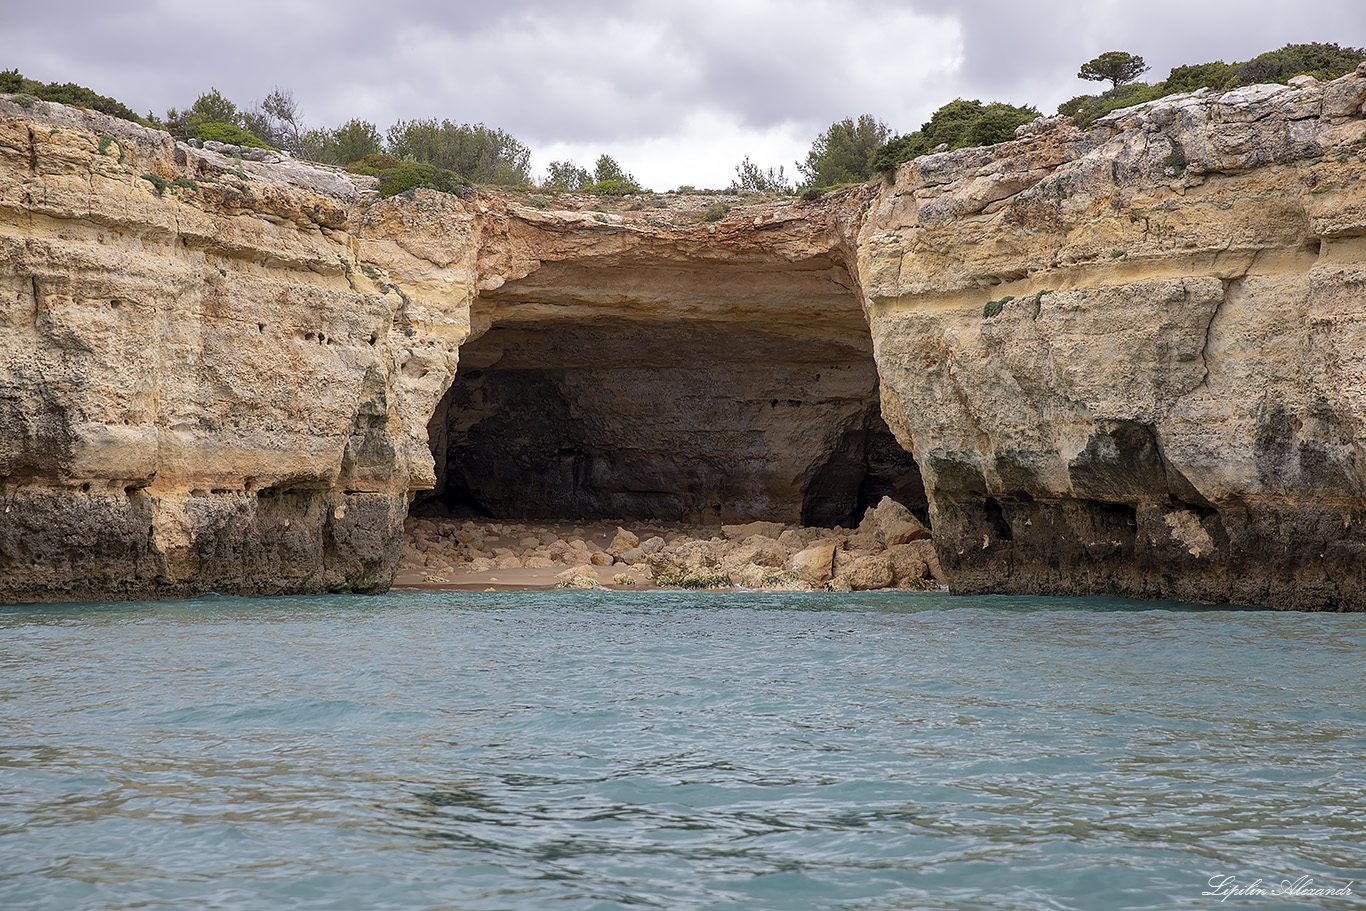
[584,750]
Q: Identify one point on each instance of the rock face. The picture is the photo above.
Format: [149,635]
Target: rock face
[233,375]
[1130,360]
[675,378]
[1133,360]
[198,390]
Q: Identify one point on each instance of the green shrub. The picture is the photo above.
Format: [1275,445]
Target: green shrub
[228,134]
[373,164]
[68,93]
[994,308]
[209,109]
[477,153]
[958,124]
[157,181]
[566,177]
[749,177]
[1322,61]
[538,202]
[845,152]
[1086,109]
[410,175]
[185,183]
[613,187]
[353,141]
[715,212]
[611,179]
[24,101]
[1197,76]
[79,96]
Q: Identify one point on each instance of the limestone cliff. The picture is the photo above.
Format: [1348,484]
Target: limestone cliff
[1127,360]
[224,374]
[198,389]
[1133,360]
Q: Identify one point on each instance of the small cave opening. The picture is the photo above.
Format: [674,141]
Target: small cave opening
[683,421]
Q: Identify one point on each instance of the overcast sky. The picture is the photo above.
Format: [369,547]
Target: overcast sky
[678,91]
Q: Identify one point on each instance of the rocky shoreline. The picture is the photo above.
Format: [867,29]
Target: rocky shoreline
[890,549]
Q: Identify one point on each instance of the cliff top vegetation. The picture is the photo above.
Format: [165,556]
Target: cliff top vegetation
[1322,61]
[454,156]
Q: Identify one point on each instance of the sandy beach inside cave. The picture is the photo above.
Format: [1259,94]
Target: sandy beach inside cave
[889,549]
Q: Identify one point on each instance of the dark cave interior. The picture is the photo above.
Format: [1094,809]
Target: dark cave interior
[680,421]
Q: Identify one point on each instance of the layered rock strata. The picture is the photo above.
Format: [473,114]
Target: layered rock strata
[221,374]
[1128,360]
[715,374]
[195,394]
[1133,360]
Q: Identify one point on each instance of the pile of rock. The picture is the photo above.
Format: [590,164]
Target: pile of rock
[889,549]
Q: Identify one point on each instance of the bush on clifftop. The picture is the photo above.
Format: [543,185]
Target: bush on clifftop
[351,142]
[227,133]
[845,152]
[957,125]
[477,153]
[1324,62]
[13,82]
[405,176]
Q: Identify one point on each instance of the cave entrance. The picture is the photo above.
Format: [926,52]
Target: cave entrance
[692,421]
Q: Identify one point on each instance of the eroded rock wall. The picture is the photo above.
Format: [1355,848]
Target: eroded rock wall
[712,373]
[199,388]
[219,374]
[1128,360]
[1169,399]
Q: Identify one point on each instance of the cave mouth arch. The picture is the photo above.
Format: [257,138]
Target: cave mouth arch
[691,421]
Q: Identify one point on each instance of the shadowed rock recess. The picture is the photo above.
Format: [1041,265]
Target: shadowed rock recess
[1129,360]
[625,384]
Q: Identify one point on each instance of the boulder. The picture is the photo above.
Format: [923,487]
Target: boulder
[740,532]
[749,575]
[623,542]
[693,556]
[892,524]
[908,564]
[759,550]
[577,577]
[815,565]
[868,573]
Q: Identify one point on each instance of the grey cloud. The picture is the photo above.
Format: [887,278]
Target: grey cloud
[602,72]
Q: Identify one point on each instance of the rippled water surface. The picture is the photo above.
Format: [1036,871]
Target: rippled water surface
[581,750]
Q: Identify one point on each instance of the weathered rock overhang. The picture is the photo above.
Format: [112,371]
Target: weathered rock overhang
[707,375]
